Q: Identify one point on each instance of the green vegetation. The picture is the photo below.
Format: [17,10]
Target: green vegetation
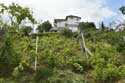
[60,55]
[122,9]
[45,27]
[86,26]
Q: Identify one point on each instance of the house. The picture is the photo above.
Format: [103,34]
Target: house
[71,22]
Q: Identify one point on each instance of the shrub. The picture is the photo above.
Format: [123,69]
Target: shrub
[78,67]
[104,54]
[9,58]
[26,30]
[79,64]
[2,80]
[108,74]
[66,76]
[43,74]
[67,33]
[122,71]
[23,66]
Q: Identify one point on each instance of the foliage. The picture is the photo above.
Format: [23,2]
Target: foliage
[66,76]
[26,30]
[102,26]
[105,63]
[45,27]
[8,56]
[67,32]
[18,12]
[122,9]
[64,53]
[60,58]
[43,74]
[122,71]
[86,26]
[23,66]
[106,75]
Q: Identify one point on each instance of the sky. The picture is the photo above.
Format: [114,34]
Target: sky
[90,10]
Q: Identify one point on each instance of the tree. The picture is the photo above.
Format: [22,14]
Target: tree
[102,26]
[67,32]
[85,26]
[17,13]
[46,26]
[122,9]
[26,30]
[120,25]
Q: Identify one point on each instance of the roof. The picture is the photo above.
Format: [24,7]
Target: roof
[59,20]
[73,16]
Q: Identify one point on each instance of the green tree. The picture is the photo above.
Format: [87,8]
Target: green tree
[85,26]
[102,26]
[122,9]
[46,26]
[16,12]
[67,32]
[26,30]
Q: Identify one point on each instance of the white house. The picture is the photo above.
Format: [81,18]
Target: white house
[71,22]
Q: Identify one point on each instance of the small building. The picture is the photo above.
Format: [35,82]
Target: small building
[71,22]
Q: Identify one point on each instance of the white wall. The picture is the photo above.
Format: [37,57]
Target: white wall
[73,20]
[61,24]
[72,24]
[74,29]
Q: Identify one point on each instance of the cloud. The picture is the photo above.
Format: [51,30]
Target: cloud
[89,10]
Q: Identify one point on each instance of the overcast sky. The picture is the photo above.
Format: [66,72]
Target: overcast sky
[89,10]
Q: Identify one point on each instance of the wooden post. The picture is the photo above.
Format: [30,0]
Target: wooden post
[84,44]
[36,57]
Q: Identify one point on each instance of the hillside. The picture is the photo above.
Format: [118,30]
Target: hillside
[61,59]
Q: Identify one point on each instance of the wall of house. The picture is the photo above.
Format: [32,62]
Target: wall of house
[74,29]
[61,24]
[71,23]
[72,20]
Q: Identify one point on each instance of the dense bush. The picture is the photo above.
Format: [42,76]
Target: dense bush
[60,58]
[66,76]
[67,32]
[43,74]
[107,74]
[105,63]
[9,58]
